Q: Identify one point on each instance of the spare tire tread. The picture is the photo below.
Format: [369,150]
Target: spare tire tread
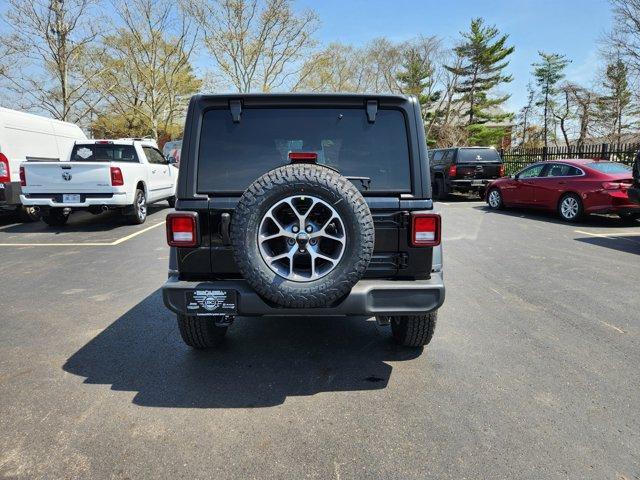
[299,177]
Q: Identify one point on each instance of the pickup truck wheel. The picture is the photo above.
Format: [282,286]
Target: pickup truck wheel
[138,211]
[302,235]
[438,189]
[200,332]
[28,214]
[414,330]
[55,217]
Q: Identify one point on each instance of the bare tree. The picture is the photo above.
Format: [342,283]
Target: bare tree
[256,45]
[43,57]
[624,37]
[147,75]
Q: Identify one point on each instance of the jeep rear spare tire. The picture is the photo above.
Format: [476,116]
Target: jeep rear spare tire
[302,235]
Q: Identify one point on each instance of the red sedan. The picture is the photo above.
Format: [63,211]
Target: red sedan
[570,187]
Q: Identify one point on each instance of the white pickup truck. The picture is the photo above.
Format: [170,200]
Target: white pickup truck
[101,175]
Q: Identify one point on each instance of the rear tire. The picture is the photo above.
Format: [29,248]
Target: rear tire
[55,217]
[438,189]
[28,214]
[200,332]
[172,202]
[570,207]
[495,199]
[138,211]
[414,330]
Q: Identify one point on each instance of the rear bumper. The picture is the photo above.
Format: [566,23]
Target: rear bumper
[614,201]
[367,297]
[471,183]
[53,200]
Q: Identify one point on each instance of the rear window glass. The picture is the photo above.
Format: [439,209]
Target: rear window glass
[103,153]
[232,155]
[610,167]
[466,155]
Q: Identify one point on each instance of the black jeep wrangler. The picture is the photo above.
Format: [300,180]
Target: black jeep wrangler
[463,170]
[304,205]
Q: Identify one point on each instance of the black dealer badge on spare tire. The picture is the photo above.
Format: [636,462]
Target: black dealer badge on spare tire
[302,235]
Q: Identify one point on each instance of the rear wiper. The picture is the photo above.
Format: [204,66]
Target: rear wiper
[364,181]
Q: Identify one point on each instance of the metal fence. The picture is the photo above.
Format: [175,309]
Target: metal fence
[516,159]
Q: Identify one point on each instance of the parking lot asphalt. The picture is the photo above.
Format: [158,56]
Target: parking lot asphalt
[532,373]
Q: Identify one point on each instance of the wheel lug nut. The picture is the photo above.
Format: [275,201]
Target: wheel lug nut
[313,241]
[295,229]
[309,229]
[291,241]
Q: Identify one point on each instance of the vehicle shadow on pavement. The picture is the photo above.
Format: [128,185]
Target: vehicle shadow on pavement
[262,362]
[83,222]
[622,243]
[593,221]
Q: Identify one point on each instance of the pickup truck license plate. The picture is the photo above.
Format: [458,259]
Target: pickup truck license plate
[211,302]
[70,198]
[477,182]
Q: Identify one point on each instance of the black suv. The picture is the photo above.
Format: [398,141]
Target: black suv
[304,205]
[634,191]
[464,170]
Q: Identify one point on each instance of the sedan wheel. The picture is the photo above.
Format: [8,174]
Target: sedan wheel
[495,199]
[570,208]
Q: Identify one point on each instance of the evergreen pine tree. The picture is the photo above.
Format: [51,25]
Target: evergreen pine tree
[548,72]
[484,53]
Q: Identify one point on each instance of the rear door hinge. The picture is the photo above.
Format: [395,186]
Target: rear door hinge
[405,219]
[403,261]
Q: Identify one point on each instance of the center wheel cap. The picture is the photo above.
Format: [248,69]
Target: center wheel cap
[302,240]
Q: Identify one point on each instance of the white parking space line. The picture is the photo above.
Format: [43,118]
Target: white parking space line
[87,244]
[9,226]
[613,235]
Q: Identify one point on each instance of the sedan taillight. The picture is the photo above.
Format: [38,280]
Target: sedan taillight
[611,185]
[23,177]
[182,229]
[425,229]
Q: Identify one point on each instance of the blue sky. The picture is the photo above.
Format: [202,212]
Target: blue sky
[571,27]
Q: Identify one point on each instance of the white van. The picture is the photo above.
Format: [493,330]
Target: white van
[27,137]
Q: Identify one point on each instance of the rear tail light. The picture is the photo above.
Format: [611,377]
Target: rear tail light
[5,173]
[182,229]
[501,171]
[117,179]
[453,171]
[303,157]
[611,185]
[425,229]
[23,177]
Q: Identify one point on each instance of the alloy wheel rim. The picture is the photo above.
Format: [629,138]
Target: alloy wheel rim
[569,207]
[142,206]
[302,238]
[494,198]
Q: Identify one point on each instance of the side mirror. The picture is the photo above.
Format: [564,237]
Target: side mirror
[515,176]
[172,160]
